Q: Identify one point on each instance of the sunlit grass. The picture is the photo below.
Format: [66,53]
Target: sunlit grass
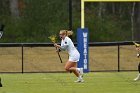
[114,82]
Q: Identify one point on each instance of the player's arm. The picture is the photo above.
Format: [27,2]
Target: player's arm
[58,47]
[61,48]
[65,45]
[138,51]
[137,48]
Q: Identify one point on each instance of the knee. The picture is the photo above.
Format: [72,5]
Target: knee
[66,68]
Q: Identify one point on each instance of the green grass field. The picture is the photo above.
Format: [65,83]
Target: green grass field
[97,82]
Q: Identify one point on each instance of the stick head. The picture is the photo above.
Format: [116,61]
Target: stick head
[53,38]
[136,44]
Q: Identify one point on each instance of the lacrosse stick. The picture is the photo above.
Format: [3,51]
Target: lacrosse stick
[137,46]
[53,39]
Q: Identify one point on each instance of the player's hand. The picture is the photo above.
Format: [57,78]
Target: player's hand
[138,48]
[138,55]
[56,45]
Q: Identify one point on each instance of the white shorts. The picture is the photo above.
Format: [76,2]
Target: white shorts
[74,57]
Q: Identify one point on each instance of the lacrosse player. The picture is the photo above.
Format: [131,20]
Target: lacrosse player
[1,33]
[71,64]
[138,55]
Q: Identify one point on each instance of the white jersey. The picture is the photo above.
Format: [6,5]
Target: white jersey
[68,45]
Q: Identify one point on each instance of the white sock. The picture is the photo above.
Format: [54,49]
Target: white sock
[80,77]
[78,69]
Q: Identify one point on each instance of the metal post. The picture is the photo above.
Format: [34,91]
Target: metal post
[82,14]
[22,58]
[118,58]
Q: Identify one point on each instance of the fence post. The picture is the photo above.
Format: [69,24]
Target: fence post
[118,58]
[22,57]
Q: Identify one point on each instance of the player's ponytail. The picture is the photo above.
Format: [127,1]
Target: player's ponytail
[69,33]
[66,32]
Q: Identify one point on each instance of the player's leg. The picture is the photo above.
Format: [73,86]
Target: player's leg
[74,59]
[0,83]
[138,77]
[80,70]
[72,66]
[139,68]
[77,71]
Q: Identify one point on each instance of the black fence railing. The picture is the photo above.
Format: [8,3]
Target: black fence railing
[51,44]
[36,57]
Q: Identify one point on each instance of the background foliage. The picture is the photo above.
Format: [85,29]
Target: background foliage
[35,20]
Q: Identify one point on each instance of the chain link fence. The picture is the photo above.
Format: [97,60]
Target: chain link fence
[43,58]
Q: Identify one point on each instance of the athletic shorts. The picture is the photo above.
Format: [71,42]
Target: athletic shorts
[74,57]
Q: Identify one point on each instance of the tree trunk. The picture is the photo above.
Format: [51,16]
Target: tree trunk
[132,20]
[100,10]
[14,8]
[113,8]
[137,22]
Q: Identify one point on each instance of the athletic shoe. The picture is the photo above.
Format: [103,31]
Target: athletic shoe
[137,78]
[79,80]
[0,83]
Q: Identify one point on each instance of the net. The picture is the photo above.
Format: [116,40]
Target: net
[45,59]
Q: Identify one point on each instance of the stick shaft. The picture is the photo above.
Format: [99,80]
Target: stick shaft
[59,56]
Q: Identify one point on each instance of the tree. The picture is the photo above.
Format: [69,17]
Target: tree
[132,20]
[14,8]
[137,22]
